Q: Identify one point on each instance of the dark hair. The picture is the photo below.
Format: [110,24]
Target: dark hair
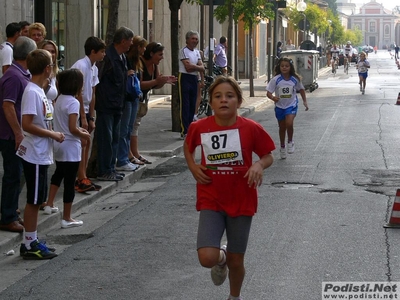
[153,47]
[292,71]
[122,33]
[94,43]
[222,40]
[12,29]
[24,23]
[38,60]
[230,80]
[70,82]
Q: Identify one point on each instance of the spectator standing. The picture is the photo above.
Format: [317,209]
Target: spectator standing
[150,78]
[290,45]
[67,154]
[36,150]
[12,86]
[37,32]
[126,162]
[6,49]
[94,52]
[24,28]
[226,187]
[220,55]
[50,87]
[278,49]
[190,64]
[110,97]
[396,51]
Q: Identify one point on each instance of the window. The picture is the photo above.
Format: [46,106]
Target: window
[387,29]
[372,26]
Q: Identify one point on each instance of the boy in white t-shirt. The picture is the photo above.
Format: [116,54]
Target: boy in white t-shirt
[95,50]
[36,150]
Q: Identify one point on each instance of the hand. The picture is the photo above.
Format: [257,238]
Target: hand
[198,174]
[306,105]
[58,136]
[92,126]
[84,122]
[254,175]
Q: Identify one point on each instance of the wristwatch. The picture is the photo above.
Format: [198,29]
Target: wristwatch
[91,119]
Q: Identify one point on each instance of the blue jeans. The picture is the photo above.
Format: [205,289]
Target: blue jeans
[127,121]
[107,134]
[10,187]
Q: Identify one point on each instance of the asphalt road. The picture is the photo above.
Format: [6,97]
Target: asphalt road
[320,214]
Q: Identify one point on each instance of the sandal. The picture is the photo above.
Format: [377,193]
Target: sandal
[136,161]
[143,159]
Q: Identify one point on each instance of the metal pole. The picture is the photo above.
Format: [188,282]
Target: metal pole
[210,37]
[305,27]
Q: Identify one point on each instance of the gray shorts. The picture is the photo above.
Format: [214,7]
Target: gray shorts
[212,225]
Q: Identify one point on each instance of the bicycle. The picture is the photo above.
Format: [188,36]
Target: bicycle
[334,65]
[205,107]
[346,65]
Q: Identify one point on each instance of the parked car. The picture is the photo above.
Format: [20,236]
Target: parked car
[367,49]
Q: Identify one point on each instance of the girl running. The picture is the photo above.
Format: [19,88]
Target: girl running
[362,67]
[282,90]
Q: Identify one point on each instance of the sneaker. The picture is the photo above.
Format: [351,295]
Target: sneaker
[110,177]
[23,250]
[283,153]
[84,185]
[333,71]
[290,147]
[128,167]
[69,224]
[218,272]
[120,174]
[38,251]
[363,92]
[48,210]
[96,186]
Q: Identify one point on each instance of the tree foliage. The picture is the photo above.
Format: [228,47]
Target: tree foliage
[250,12]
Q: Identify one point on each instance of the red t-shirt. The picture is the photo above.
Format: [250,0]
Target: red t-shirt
[227,152]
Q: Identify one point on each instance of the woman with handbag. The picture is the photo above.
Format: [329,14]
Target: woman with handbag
[133,95]
[151,78]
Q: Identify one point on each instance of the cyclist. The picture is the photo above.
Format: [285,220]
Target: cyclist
[348,52]
[334,57]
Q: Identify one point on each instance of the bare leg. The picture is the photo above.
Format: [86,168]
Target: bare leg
[289,119]
[52,194]
[235,262]
[282,132]
[31,217]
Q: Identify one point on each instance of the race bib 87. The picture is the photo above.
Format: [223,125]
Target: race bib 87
[221,147]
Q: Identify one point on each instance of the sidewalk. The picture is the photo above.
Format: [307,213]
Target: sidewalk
[156,141]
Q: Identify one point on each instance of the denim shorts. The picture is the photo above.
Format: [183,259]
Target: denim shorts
[281,113]
[363,75]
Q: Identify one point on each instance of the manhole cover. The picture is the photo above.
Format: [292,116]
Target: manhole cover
[293,185]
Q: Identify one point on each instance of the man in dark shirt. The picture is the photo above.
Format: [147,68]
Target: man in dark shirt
[110,96]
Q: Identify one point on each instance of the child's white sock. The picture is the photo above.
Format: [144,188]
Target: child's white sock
[29,237]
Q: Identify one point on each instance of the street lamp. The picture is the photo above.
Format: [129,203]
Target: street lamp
[301,7]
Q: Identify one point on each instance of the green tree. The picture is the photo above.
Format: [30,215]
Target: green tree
[250,12]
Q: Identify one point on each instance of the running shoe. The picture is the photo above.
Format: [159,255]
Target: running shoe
[127,167]
[283,153]
[110,177]
[290,147]
[363,91]
[84,185]
[23,250]
[219,272]
[48,210]
[38,251]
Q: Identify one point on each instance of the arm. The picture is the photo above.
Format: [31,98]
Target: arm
[272,97]
[27,124]
[92,113]
[189,67]
[82,111]
[303,96]
[76,131]
[196,169]
[255,173]
[11,116]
